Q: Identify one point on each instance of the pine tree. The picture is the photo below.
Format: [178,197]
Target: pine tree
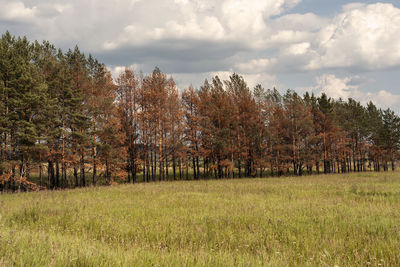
[300,130]
[128,103]
[190,103]
[390,137]
[80,122]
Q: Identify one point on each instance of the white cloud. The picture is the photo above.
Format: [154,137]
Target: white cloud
[297,49]
[242,21]
[288,37]
[299,22]
[184,80]
[247,16]
[197,38]
[385,99]
[351,87]
[336,87]
[363,36]
[117,70]
[257,65]
[16,12]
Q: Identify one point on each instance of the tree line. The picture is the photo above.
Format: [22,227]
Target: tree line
[65,122]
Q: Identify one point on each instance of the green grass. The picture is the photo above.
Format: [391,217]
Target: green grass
[343,220]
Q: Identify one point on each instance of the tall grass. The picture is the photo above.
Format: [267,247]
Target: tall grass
[342,220]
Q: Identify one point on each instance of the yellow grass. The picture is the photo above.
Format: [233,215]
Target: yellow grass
[343,220]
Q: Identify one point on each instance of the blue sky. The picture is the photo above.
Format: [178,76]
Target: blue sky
[343,48]
[330,7]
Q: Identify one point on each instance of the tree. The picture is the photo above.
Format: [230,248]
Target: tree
[63,111]
[190,103]
[390,137]
[128,105]
[244,124]
[111,139]
[299,130]
[80,122]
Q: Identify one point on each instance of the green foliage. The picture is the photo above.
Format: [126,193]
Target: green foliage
[63,114]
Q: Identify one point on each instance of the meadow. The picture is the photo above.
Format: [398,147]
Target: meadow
[325,220]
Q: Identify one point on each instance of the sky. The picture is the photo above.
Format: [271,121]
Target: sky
[339,47]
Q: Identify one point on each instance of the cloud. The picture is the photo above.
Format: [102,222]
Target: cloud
[30,13]
[248,16]
[363,36]
[204,20]
[184,80]
[66,23]
[16,12]
[197,38]
[117,70]
[385,99]
[299,22]
[351,87]
[257,65]
[207,28]
[336,87]
[259,35]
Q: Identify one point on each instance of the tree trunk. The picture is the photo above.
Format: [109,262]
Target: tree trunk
[166,167]
[94,153]
[63,170]
[187,169]
[198,168]
[194,168]
[153,176]
[82,172]
[76,176]
[50,174]
[94,168]
[64,175]
[174,166]
[128,168]
[204,168]
[144,169]
[57,174]
[41,173]
[180,169]
[133,171]
[108,176]
[240,168]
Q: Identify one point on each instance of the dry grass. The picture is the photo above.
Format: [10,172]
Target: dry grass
[343,220]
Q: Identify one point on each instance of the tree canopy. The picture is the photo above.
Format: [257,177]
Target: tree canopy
[65,122]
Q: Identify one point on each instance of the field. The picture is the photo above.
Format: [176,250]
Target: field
[331,220]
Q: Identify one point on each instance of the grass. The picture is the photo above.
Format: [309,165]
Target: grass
[332,220]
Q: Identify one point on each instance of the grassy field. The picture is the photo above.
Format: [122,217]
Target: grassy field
[332,220]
